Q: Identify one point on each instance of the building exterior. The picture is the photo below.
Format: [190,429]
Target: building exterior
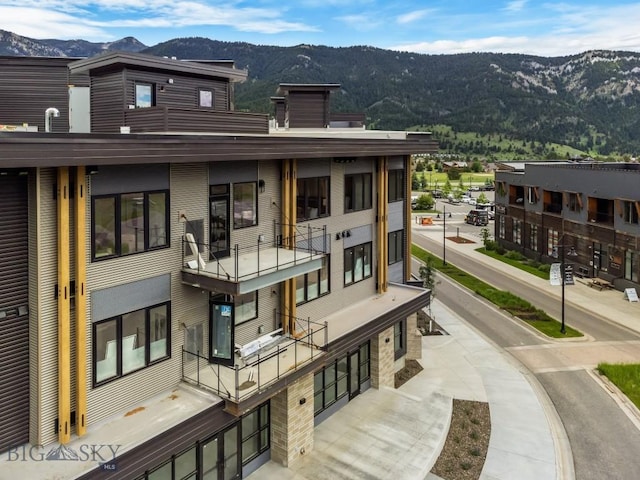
[186,289]
[590,209]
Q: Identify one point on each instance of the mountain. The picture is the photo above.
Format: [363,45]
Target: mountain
[16,45]
[589,101]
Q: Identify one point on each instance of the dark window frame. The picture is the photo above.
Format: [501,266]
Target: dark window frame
[399,339]
[240,224]
[264,425]
[117,248]
[306,203]
[119,343]
[152,94]
[357,203]
[396,247]
[396,185]
[318,273]
[350,253]
[331,378]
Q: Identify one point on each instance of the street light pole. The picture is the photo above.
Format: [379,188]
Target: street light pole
[562,273]
[444,234]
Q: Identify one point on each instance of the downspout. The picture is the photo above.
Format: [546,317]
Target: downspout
[64,309]
[383,239]
[81,314]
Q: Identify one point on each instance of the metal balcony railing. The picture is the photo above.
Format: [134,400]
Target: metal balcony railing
[255,373]
[265,256]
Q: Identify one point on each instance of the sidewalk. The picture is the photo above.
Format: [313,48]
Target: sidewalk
[399,433]
[609,304]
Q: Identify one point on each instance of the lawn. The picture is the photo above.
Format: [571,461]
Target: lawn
[624,376]
[521,263]
[507,301]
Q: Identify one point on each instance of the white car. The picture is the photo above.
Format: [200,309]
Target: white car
[472,202]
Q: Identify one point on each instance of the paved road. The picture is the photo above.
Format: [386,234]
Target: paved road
[580,318]
[605,440]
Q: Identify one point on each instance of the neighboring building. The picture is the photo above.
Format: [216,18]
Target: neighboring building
[591,207]
[198,293]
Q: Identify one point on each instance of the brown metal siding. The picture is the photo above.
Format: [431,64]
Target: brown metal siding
[107,103]
[308,109]
[27,89]
[14,328]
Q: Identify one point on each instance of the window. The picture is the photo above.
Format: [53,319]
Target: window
[552,241]
[574,202]
[313,284]
[129,223]
[246,307]
[357,263]
[255,433]
[399,339]
[396,246]
[533,237]
[313,198]
[631,266]
[357,192]
[532,195]
[396,185]
[205,98]
[501,226]
[129,342]
[517,231]
[631,210]
[330,384]
[245,204]
[145,97]
[180,467]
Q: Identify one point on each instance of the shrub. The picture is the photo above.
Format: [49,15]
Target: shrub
[544,267]
[491,245]
[500,250]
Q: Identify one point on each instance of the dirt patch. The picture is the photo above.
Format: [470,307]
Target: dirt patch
[428,326]
[459,239]
[465,448]
[410,370]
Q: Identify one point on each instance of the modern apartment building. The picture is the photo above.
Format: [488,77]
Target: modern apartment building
[590,209]
[186,289]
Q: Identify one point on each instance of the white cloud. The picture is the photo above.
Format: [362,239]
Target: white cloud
[413,16]
[515,5]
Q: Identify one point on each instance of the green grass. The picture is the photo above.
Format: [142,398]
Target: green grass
[521,264]
[626,377]
[513,304]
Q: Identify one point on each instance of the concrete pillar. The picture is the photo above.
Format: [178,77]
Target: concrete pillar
[292,422]
[382,361]
[414,338]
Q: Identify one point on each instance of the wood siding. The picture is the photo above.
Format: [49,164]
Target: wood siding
[308,109]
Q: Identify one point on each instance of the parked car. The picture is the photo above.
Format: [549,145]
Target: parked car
[477,217]
[472,202]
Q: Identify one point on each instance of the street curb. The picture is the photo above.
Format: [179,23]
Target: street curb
[626,405]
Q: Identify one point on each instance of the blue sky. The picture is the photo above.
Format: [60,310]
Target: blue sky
[547,28]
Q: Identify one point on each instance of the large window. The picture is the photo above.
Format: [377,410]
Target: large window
[533,237]
[313,284]
[517,231]
[357,192]
[631,210]
[145,95]
[129,342]
[330,384]
[631,266]
[245,204]
[129,223]
[255,433]
[552,241]
[396,185]
[399,339]
[501,226]
[312,198]
[396,246]
[357,263]
[246,307]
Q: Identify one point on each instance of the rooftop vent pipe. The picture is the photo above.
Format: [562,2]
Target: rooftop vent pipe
[49,113]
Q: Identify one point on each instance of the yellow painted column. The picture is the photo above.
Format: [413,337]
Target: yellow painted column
[81,314]
[290,285]
[383,238]
[64,310]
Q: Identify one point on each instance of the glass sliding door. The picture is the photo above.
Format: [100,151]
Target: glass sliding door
[221,333]
[220,459]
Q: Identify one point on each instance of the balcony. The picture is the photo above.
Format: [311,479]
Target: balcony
[250,268]
[601,218]
[255,370]
[175,119]
[553,208]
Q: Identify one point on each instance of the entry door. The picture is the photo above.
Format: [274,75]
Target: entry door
[354,374]
[220,456]
[219,227]
[221,335]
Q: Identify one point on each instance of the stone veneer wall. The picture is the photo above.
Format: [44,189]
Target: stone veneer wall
[292,423]
[414,338]
[382,361]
